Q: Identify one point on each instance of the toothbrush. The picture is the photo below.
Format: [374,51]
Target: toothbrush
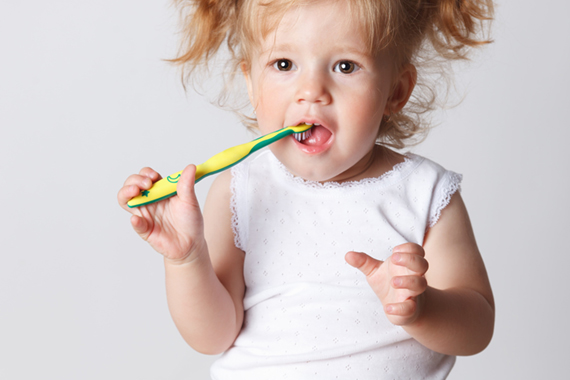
[166,187]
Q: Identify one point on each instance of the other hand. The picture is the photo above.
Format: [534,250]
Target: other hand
[399,282]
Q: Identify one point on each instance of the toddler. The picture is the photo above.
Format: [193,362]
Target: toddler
[311,259]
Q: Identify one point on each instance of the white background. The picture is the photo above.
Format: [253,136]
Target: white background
[85,100]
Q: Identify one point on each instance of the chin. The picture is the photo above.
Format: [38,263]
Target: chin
[314,176]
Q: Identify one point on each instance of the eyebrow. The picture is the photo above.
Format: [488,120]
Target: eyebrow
[287,47]
[354,50]
[282,47]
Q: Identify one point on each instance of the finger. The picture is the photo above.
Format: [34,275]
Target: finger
[137,179]
[140,225]
[416,285]
[412,261]
[402,309]
[150,173]
[409,248]
[126,193]
[363,262]
[185,187]
[134,184]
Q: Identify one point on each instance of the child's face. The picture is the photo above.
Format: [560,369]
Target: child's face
[315,68]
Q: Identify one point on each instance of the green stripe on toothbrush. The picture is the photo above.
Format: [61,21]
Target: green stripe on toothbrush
[166,187]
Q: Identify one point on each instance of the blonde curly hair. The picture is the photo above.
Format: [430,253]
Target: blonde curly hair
[425,33]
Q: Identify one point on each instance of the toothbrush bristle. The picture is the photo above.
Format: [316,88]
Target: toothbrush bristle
[300,136]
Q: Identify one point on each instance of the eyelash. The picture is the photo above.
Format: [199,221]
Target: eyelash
[277,63]
[354,67]
[279,66]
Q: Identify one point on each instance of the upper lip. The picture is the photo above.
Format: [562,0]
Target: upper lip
[311,121]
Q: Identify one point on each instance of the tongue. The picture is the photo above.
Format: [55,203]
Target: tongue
[319,136]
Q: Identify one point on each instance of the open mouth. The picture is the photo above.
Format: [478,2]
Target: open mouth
[316,136]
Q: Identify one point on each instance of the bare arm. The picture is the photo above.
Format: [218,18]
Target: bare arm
[448,308]
[204,281]
[458,308]
[205,295]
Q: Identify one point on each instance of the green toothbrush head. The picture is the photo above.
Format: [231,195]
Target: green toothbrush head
[301,132]
[301,128]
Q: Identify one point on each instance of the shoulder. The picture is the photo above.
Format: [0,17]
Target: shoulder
[451,249]
[218,226]
[227,260]
[225,183]
[435,182]
[220,190]
[424,166]
[410,167]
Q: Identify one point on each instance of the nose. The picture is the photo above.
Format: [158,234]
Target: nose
[313,88]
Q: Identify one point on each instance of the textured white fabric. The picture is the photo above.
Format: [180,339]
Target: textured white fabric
[308,314]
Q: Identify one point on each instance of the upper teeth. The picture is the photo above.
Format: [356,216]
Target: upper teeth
[303,135]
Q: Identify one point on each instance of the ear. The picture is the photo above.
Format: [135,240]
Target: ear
[246,71]
[401,89]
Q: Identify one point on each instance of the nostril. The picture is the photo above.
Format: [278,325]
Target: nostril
[313,90]
[322,97]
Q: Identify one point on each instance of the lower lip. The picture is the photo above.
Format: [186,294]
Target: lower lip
[314,149]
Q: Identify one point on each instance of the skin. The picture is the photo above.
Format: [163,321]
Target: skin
[314,89]
[439,292]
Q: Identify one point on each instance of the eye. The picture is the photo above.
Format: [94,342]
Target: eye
[346,67]
[284,65]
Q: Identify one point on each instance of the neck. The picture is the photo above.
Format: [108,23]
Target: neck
[362,168]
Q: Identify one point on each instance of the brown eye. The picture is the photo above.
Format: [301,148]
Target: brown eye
[284,65]
[345,67]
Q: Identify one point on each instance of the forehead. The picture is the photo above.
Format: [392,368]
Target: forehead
[318,24]
[283,20]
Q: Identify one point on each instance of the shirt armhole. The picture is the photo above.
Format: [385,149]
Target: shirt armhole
[238,206]
[442,193]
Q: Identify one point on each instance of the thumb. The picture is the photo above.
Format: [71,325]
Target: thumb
[141,226]
[361,261]
[185,186]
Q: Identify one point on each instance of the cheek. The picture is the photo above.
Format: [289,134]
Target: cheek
[270,104]
[363,119]
[365,112]
[364,97]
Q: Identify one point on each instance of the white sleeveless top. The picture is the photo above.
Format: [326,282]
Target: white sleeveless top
[308,314]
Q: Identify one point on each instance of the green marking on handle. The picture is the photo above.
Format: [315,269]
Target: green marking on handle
[173,179]
[215,164]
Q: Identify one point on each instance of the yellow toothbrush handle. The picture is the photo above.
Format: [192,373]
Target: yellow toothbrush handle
[166,187]
[160,190]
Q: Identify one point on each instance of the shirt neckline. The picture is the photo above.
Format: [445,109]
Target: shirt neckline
[397,173]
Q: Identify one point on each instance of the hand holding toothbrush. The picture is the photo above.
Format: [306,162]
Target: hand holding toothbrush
[166,187]
[173,227]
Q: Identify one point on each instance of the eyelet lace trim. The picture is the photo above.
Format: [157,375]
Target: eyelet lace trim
[452,185]
[398,168]
[237,175]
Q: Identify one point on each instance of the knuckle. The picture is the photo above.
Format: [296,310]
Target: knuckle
[149,173]
[410,307]
[130,179]
[416,283]
[397,282]
[410,247]
[421,282]
[369,267]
